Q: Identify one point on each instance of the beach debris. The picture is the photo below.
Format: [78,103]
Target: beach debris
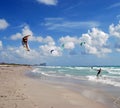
[3,96]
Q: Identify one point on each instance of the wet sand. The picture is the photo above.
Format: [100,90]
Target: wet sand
[20,91]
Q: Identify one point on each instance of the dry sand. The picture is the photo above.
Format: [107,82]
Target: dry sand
[19,91]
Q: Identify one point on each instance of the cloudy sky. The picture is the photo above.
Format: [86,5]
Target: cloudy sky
[54,23]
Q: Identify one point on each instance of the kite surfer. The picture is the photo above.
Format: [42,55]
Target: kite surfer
[25,42]
[99,71]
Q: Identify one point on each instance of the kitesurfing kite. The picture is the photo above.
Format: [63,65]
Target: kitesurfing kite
[25,42]
[51,51]
[62,46]
[82,43]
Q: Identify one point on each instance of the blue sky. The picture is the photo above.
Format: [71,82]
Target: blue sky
[52,23]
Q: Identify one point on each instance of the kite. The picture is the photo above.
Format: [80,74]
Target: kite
[25,42]
[51,51]
[82,43]
[63,45]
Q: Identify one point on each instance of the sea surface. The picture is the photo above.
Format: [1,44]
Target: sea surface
[109,75]
[76,77]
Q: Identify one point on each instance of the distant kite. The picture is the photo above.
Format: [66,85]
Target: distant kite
[62,46]
[25,42]
[82,43]
[51,51]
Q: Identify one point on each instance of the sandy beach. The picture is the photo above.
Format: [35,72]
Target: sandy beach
[20,91]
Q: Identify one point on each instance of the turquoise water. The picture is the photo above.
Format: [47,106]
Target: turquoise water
[109,75]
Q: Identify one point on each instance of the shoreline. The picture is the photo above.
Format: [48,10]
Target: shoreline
[114,90]
[17,90]
[84,89]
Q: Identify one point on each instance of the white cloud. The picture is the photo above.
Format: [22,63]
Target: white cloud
[69,42]
[36,39]
[48,2]
[114,5]
[61,24]
[0,45]
[69,45]
[46,50]
[26,31]
[49,40]
[73,6]
[96,40]
[67,39]
[3,24]
[32,54]
[20,54]
[16,36]
[118,49]
[49,44]
[115,30]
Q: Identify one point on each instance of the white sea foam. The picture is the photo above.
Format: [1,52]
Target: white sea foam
[68,75]
[36,70]
[70,68]
[104,80]
[51,74]
[52,67]
[45,74]
[110,75]
[114,72]
[79,68]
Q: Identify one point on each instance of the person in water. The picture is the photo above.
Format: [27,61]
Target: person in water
[98,74]
[25,42]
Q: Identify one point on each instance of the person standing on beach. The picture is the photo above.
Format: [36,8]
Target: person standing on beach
[98,74]
[25,42]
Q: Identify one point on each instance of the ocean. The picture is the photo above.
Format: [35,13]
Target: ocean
[109,75]
[105,89]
